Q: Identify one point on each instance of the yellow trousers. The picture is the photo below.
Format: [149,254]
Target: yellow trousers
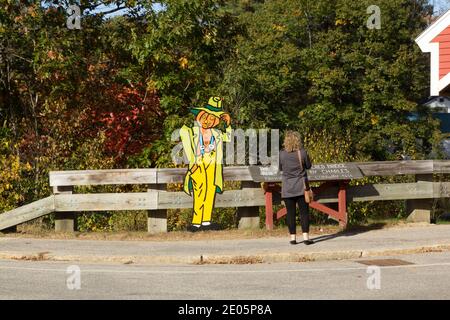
[204,189]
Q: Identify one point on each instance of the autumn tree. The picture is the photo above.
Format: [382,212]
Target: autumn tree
[315,66]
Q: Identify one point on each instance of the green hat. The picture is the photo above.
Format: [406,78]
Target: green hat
[214,107]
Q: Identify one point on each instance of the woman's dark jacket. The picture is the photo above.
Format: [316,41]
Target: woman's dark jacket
[293,177]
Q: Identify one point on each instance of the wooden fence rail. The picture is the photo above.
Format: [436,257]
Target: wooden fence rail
[241,173]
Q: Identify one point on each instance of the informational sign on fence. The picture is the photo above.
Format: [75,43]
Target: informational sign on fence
[334,171]
[319,172]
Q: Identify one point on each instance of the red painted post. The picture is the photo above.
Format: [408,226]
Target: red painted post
[269,210]
[281,213]
[342,202]
[323,208]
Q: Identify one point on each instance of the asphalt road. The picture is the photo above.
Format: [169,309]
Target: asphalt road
[427,278]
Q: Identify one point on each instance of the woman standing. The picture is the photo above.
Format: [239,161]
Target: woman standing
[294,161]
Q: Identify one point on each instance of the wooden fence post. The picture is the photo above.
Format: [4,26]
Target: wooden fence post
[157,219]
[419,210]
[248,216]
[64,221]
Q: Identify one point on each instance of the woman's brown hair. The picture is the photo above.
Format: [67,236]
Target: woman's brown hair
[292,141]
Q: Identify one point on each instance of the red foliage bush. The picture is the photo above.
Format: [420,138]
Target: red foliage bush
[130,119]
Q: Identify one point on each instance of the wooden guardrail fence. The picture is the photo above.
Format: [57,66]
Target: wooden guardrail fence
[248,199]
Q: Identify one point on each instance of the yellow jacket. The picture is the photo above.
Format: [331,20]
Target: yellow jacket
[190,138]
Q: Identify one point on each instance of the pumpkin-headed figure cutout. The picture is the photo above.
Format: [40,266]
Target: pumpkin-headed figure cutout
[203,147]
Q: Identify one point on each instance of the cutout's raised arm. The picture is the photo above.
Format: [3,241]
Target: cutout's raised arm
[226,136]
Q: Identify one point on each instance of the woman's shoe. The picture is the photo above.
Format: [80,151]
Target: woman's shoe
[293,242]
[308,242]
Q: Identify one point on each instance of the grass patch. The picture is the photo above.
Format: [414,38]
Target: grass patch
[231,260]
[41,256]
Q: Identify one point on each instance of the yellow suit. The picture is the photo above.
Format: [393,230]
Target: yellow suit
[207,178]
